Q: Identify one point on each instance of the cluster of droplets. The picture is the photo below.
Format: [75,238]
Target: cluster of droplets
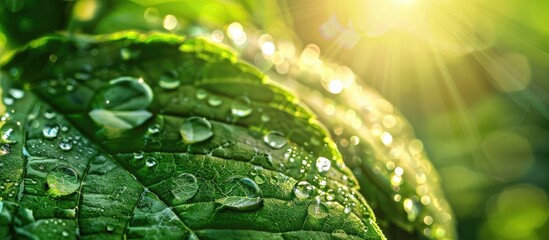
[211,99]
[381,125]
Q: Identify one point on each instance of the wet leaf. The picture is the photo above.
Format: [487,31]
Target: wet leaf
[156,161]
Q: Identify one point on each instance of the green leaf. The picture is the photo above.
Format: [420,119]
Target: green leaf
[86,161]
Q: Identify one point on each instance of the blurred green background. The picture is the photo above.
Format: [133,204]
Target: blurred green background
[470,76]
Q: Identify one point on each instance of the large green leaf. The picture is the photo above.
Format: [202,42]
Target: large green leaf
[157,136]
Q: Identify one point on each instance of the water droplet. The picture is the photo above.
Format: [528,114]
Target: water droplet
[275,139]
[109,228]
[317,208]
[196,129]
[16,93]
[8,101]
[153,129]
[241,106]
[65,233]
[65,145]
[151,162]
[62,180]
[169,81]
[50,130]
[122,104]
[8,132]
[184,187]
[239,203]
[241,186]
[201,94]
[323,164]
[138,155]
[348,209]
[49,114]
[303,190]
[214,101]
[5,149]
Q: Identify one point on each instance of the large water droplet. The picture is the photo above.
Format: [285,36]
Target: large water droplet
[323,164]
[62,180]
[238,186]
[122,103]
[317,208]
[303,190]
[50,130]
[241,106]
[169,81]
[8,132]
[184,187]
[8,101]
[196,129]
[275,139]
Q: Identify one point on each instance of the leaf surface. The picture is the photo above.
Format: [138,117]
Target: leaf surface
[161,137]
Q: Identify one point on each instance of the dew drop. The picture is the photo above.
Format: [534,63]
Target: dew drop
[153,129]
[151,162]
[8,132]
[241,106]
[64,128]
[50,130]
[49,114]
[303,190]
[8,101]
[109,228]
[65,233]
[5,149]
[196,129]
[61,181]
[122,104]
[184,187]
[323,164]
[16,93]
[65,145]
[201,94]
[317,208]
[275,139]
[347,209]
[169,81]
[214,101]
[138,155]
